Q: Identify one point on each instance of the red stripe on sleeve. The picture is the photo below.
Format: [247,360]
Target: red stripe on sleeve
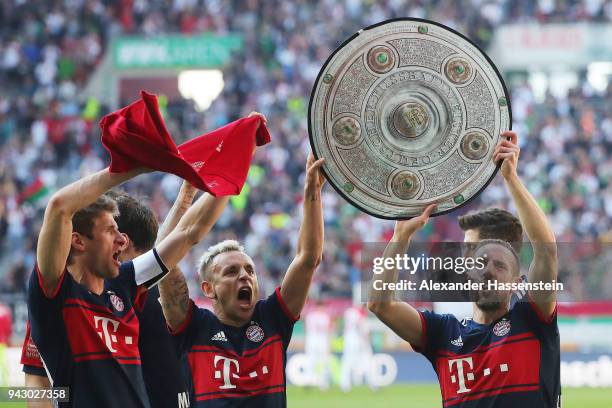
[141,298]
[284,306]
[538,312]
[42,287]
[185,323]
[423,347]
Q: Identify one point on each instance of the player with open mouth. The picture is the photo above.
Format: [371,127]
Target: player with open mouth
[237,353]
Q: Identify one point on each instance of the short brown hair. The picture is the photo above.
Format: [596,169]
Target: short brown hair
[83,220]
[135,219]
[495,223]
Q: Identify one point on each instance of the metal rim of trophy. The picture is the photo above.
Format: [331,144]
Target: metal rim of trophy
[320,78]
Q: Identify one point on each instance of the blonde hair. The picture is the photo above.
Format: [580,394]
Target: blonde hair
[207,258]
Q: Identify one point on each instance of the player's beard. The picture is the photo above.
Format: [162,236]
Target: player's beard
[487,301]
[489,306]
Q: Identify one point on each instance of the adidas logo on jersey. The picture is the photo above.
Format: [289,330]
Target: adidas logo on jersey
[457,342]
[219,337]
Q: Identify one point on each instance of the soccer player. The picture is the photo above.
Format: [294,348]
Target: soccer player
[494,223]
[162,371]
[505,356]
[237,353]
[82,300]
[357,351]
[317,345]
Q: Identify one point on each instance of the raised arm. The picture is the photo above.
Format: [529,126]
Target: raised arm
[173,289]
[538,230]
[399,316]
[191,228]
[55,235]
[295,285]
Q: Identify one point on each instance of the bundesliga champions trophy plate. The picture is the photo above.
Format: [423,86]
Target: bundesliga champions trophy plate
[407,113]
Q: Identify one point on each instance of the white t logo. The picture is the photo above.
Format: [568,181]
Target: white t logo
[459,364]
[227,364]
[108,338]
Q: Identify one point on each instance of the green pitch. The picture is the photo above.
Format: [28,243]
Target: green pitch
[407,396]
[419,396]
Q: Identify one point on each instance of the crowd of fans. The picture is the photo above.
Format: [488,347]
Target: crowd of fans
[49,134]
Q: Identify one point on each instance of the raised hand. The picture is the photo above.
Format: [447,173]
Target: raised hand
[314,175]
[405,229]
[508,151]
[261,115]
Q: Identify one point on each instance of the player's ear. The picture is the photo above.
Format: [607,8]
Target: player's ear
[208,289]
[128,241]
[77,242]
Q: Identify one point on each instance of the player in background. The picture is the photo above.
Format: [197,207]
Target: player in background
[507,356]
[317,345]
[162,371]
[492,223]
[238,352]
[357,351]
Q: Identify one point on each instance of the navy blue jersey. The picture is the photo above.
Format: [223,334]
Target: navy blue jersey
[513,362]
[89,342]
[165,374]
[238,366]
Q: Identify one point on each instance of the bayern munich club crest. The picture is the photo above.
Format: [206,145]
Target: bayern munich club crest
[255,333]
[116,302]
[501,328]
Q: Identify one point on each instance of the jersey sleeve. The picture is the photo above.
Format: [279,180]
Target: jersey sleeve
[544,327]
[274,308]
[34,370]
[434,328]
[184,336]
[45,309]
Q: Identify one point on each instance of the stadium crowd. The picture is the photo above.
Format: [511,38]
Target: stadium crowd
[49,133]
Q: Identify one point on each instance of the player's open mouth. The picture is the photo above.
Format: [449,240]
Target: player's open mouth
[244,296]
[116,257]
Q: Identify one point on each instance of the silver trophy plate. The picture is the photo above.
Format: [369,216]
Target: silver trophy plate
[407,113]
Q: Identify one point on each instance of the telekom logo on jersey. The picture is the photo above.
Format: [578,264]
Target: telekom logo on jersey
[230,368]
[462,373]
[510,365]
[108,332]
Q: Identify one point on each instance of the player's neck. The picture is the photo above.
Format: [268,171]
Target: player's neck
[487,316]
[229,321]
[83,276]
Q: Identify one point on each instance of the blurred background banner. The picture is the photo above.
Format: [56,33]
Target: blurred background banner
[551,47]
[66,63]
[174,51]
